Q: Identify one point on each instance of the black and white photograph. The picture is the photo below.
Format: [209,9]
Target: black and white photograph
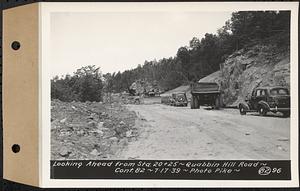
[184,91]
[150,94]
[183,85]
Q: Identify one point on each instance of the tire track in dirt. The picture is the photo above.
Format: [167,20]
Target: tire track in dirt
[182,133]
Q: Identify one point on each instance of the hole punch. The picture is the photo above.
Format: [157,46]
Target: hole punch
[15,45]
[15,148]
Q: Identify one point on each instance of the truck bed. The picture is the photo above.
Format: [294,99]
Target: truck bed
[205,88]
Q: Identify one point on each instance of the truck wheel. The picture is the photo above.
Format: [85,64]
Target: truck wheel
[217,103]
[286,113]
[262,111]
[197,104]
[242,109]
[192,103]
[222,105]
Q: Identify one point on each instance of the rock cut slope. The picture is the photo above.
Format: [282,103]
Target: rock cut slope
[246,69]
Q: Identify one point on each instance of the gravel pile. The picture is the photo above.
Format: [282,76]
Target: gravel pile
[90,130]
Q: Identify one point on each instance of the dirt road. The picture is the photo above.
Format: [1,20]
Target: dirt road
[181,133]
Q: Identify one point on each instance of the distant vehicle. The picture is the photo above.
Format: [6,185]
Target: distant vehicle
[134,100]
[178,99]
[207,94]
[137,100]
[267,99]
[165,100]
[151,94]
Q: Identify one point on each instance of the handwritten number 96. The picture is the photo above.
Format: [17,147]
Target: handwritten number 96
[276,170]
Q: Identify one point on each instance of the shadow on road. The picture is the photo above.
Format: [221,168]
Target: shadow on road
[269,115]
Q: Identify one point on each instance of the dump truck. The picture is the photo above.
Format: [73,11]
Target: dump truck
[206,94]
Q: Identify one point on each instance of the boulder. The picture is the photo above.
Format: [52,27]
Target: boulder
[114,139]
[95,152]
[100,125]
[63,120]
[64,152]
[99,132]
[122,123]
[129,133]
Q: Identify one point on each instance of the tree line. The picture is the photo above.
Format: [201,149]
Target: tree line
[204,56]
[86,84]
[198,59]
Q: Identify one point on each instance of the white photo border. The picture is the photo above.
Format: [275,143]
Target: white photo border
[46,8]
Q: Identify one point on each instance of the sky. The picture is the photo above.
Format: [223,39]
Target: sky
[120,41]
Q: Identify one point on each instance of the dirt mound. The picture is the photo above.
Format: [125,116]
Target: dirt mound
[246,69]
[89,130]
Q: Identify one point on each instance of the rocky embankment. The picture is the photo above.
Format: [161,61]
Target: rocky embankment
[90,130]
[248,68]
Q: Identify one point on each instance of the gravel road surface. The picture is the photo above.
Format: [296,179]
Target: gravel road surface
[182,133]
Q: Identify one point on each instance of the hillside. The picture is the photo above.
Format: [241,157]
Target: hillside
[259,65]
[252,48]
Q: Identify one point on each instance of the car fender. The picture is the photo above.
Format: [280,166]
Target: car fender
[245,105]
[264,104]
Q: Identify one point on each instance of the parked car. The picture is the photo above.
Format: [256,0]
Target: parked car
[178,99]
[267,99]
[165,100]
